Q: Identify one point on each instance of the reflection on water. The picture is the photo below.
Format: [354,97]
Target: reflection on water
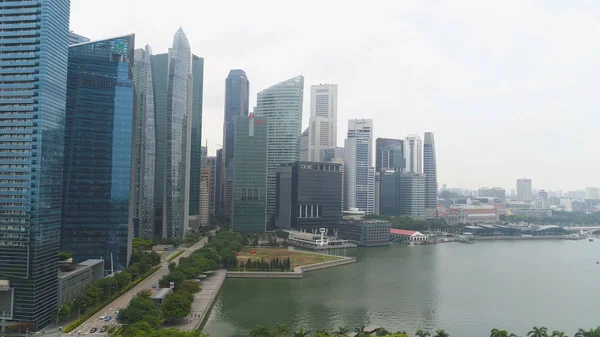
[465,289]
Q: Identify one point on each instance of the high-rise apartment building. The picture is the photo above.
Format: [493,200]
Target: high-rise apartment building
[144,155]
[212,163]
[204,207]
[389,155]
[99,170]
[196,157]
[323,120]
[34,43]
[592,193]
[430,170]
[411,195]
[237,98]
[359,175]
[281,104]
[524,192]
[304,137]
[250,174]
[413,152]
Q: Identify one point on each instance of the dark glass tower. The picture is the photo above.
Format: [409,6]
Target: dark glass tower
[237,96]
[99,147]
[389,155]
[33,86]
[160,71]
[430,170]
[196,139]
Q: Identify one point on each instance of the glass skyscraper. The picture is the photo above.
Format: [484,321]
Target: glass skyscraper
[430,170]
[33,85]
[249,176]
[145,149]
[237,97]
[99,146]
[196,156]
[359,174]
[282,105]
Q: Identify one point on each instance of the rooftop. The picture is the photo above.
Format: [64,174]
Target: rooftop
[395,231]
[79,267]
[161,293]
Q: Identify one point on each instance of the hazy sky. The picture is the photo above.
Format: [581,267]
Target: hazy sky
[507,86]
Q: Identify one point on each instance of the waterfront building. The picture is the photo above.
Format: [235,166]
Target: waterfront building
[212,164]
[304,137]
[413,152]
[34,40]
[389,155]
[359,189]
[75,278]
[323,120]
[194,145]
[524,192]
[366,232]
[408,236]
[250,174]
[99,146]
[592,193]
[237,97]
[308,196]
[281,104]
[75,38]
[430,171]
[144,155]
[411,195]
[471,213]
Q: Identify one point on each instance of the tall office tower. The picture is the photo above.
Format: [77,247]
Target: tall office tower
[250,174]
[237,101]
[174,106]
[389,155]
[212,163]
[281,104]
[204,207]
[359,175]
[411,195]
[430,170]
[33,84]
[99,172]
[388,193]
[592,193]
[144,154]
[75,38]
[219,183]
[413,152]
[334,154]
[304,145]
[524,192]
[195,141]
[323,120]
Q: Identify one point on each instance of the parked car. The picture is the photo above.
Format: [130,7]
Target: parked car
[154,286]
[107,318]
[93,330]
[103,317]
[103,329]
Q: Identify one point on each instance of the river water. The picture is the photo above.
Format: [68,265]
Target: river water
[466,289]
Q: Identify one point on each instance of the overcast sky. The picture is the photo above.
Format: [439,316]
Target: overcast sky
[506,86]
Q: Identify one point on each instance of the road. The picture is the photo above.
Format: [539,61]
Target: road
[123,301]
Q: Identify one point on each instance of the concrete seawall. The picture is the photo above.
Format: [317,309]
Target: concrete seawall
[296,274]
[547,237]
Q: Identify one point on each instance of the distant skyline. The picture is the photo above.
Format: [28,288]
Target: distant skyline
[504,101]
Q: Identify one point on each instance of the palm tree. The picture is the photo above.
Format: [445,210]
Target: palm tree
[301,333]
[322,333]
[382,332]
[501,333]
[538,332]
[421,333]
[260,331]
[280,330]
[360,331]
[441,333]
[591,333]
[557,333]
[342,331]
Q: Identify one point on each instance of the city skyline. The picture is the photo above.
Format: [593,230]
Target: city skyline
[449,81]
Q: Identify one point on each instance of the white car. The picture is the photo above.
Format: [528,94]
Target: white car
[102,317]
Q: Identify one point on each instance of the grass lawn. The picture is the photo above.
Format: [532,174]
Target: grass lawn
[298,258]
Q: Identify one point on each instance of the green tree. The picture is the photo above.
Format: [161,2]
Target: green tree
[176,305]
[590,333]
[557,333]
[501,333]
[123,279]
[301,333]
[64,256]
[538,332]
[421,333]
[281,330]
[189,286]
[260,331]
[94,293]
[140,309]
[63,312]
[172,266]
[441,333]
[382,332]
[342,331]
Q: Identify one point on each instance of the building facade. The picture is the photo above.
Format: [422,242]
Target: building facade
[212,163]
[34,40]
[250,174]
[219,183]
[411,195]
[144,155]
[524,192]
[592,193]
[389,155]
[413,152]
[237,98]
[99,147]
[196,156]
[74,282]
[430,170]
[75,38]
[388,193]
[494,192]
[281,104]
[323,120]
[304,139]
[472,214]
[359,175]
[204,207]
[308,196]
[366,232]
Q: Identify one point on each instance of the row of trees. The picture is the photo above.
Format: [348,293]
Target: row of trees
[283,331]
[558,218]
[262,265]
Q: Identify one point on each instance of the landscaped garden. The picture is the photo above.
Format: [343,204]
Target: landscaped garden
[268,256]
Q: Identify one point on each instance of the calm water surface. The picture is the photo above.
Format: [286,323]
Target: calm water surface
[467,289]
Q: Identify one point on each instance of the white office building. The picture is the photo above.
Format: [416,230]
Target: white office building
[359,172]
[413,152]
[323,120]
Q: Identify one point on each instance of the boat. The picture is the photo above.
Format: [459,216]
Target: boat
[590,239]
[466,238]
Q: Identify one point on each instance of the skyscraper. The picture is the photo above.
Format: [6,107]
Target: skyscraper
[144,155]
[237,98]
[359,175]
[411,195]
[219,183]
[413,153]
[304,145]
[388,193]
[34,86]
[250,174]
[75,38]
[195,141]
[99,145]
[281,104]
[160,72]
[323,120]
[430,170]
[389,155]
[212,163]
[524,190]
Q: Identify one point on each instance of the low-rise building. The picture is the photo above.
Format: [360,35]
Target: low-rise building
[472,214]
[73,280]
[366,232]
[407,236]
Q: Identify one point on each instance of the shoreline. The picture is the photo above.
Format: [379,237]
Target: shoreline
[546,237]
[298,272]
